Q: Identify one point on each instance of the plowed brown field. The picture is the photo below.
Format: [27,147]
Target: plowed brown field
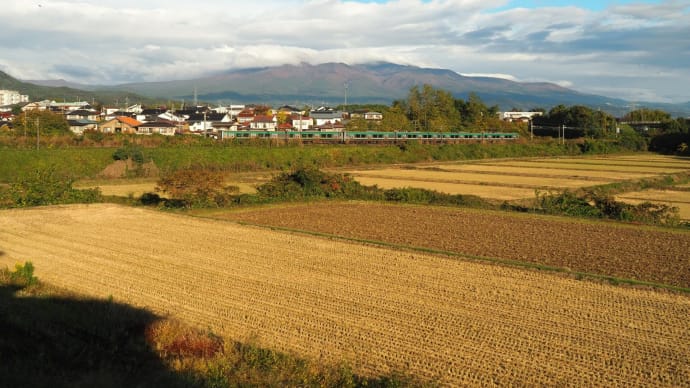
[600,248]
[459,322]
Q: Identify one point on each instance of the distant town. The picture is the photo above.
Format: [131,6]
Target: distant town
[198,119]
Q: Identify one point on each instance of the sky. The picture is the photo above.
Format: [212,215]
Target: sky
[635,50]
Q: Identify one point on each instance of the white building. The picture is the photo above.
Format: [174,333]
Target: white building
[518,116]
[11,97]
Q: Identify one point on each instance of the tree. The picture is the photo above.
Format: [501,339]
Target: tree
[46,122]
[432,109]
[394,119]
[474,113]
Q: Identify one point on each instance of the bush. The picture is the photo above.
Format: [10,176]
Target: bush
[23,275]
[599,205]
[47,187]
[196,186]
[309,182]
[150,199]
[129,152]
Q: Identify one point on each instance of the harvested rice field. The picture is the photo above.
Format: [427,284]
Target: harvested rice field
[653,255]
[468,177]
[509,180]
[595,176]
[603,166]
[452,321]
[504,193]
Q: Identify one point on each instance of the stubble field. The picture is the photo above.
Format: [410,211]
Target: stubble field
[457,322]
[631,252]
[517,180]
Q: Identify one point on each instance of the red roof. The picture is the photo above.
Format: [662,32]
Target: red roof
[263,119]
[128,120]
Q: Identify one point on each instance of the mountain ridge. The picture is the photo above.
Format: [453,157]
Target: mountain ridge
[375,82]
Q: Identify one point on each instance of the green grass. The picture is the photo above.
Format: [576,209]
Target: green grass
[86,162]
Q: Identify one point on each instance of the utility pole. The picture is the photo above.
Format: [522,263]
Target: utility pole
[38,131]
[531,130]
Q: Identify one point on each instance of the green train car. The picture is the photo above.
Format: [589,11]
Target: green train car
[368,136]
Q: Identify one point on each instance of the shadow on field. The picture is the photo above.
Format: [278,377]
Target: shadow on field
[62,342]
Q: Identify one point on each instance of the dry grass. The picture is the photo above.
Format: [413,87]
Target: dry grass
[544,171]
[516,179]
[659,195]
[137,187]
[503,193]
[558,163]
[472,178]
[682,205]
[463,323]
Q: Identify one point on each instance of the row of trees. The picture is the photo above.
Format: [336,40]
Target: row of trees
[597,123]
[436,110]
[429,109]
[31,122]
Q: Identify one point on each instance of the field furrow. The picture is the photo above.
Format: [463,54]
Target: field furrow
[459,322]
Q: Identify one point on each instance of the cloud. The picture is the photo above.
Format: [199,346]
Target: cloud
[643,46]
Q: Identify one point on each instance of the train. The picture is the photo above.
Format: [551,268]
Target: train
[369,136]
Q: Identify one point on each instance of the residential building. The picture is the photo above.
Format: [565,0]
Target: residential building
[518,116]
[325,115]
[12,97]
[245,116]
[80,125]
[374,116]
[82,114]
[300,122]
[264,123]
[165,128]
[120,124]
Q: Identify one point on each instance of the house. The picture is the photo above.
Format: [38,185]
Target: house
[6,116]
[232,110]
[518,116]
[324,115]
[68,106]
[284,127]
[120,124]
[300,122]
[165,128]
[264,123]
[82,114]
[225,126]
[170,116]
[80,125]
[374,116]
[245,116]
[111,114]
[289,110]
[149,114]
[330,127]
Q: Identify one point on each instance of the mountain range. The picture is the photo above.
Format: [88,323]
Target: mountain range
[332,83]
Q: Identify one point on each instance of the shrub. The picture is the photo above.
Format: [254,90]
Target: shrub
[600,205]
[129,152]
[23,274]
[150,199]
[309,182]
[196,186]
[47,187]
